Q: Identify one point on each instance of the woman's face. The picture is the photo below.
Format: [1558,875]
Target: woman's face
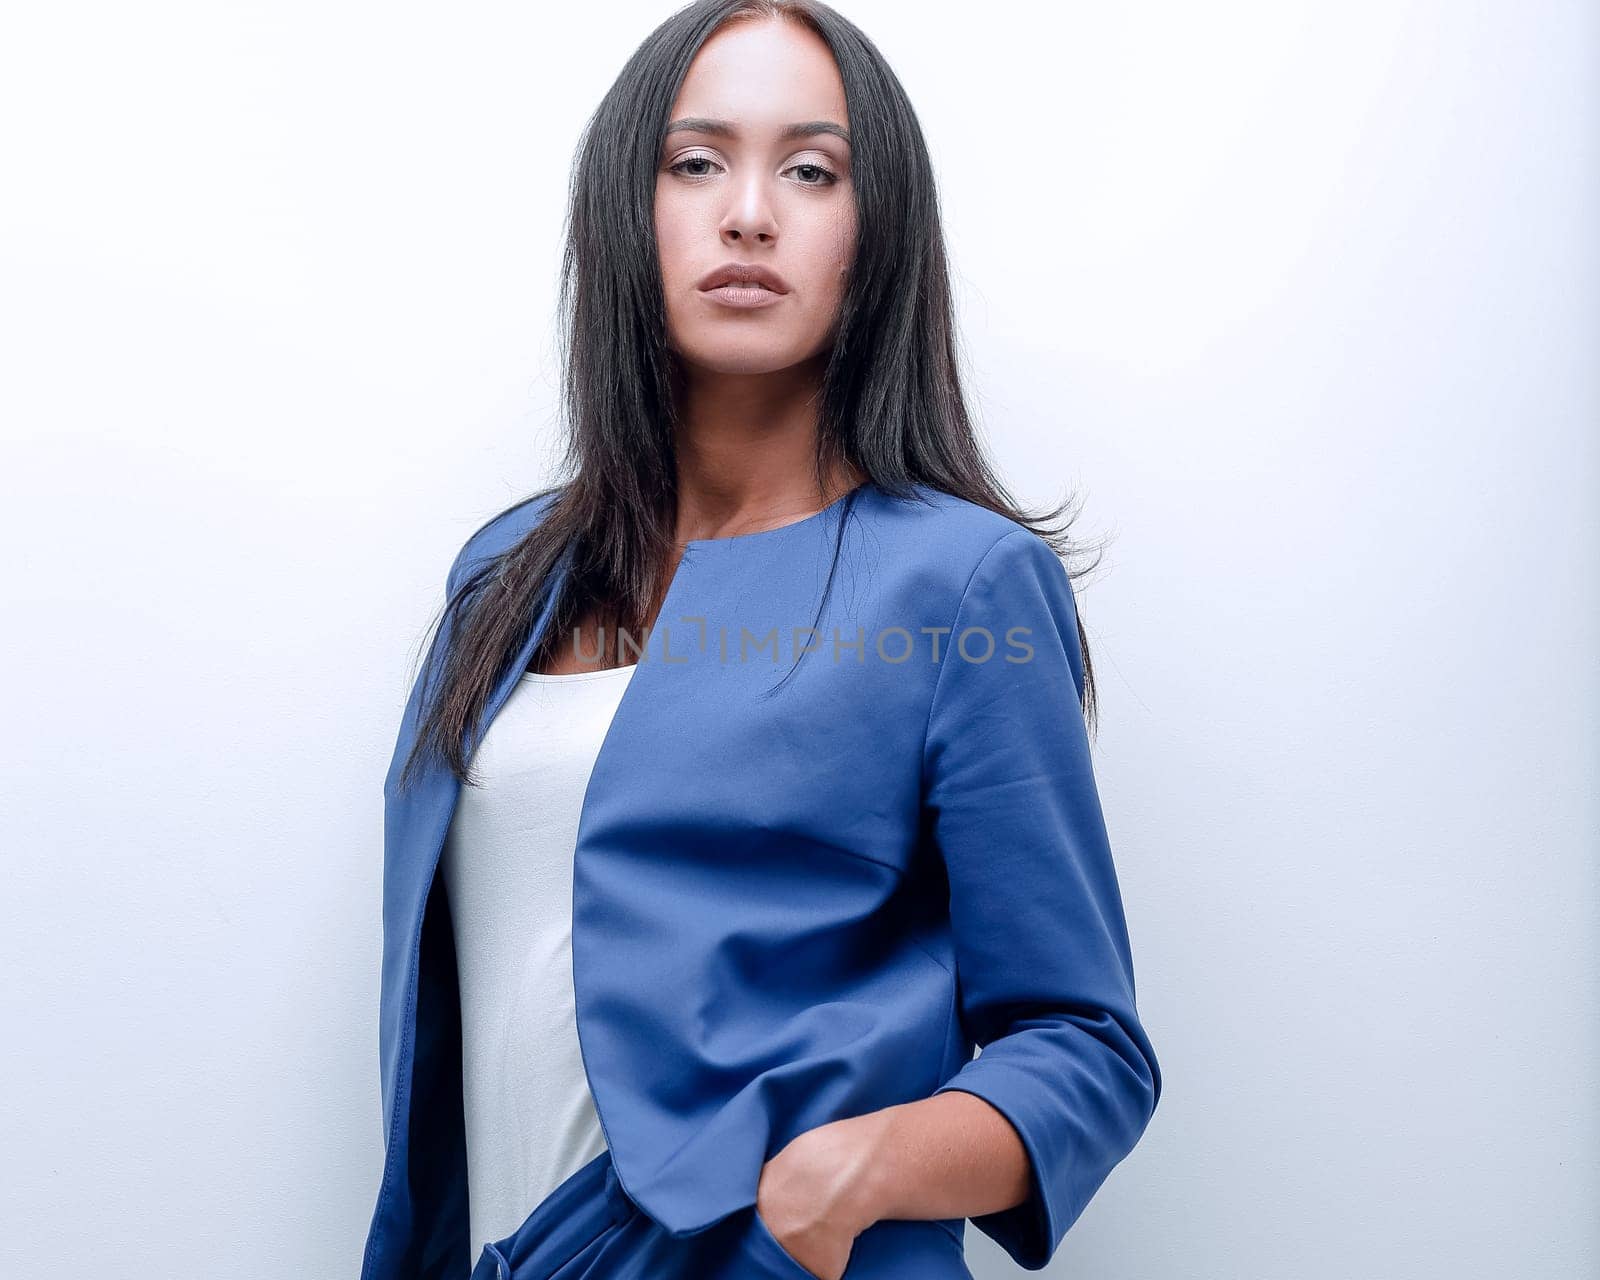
[733,188]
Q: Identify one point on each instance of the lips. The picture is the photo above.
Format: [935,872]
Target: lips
[744,275]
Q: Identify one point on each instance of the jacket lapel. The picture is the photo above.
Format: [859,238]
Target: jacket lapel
[416,822]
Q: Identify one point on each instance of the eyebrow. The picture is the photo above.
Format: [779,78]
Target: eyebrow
[727,129]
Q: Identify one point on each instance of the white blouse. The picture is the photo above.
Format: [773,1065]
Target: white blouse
[507,864]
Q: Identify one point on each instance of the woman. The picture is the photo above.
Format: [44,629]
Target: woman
[773,725]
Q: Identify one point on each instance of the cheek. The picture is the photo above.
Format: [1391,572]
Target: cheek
[841,250]
[673,238]
[845,239]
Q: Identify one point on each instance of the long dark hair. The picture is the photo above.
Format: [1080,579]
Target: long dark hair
[890,403]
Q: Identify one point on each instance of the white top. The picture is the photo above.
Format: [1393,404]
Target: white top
[507,864]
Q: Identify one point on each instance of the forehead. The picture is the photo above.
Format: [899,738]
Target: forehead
[761,75]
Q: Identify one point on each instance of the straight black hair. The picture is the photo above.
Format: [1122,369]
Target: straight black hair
[891,402]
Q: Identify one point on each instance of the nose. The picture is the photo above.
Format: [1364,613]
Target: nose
[749,215]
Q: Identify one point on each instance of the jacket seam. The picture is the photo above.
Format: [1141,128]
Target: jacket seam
[881,863]
[949,1020]
[928,951]
[938,682]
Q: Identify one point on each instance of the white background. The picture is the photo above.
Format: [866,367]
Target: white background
[1304,297]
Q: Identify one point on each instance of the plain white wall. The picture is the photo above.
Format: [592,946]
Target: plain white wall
[1304,296]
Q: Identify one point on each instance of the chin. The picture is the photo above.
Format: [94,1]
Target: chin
[747,358]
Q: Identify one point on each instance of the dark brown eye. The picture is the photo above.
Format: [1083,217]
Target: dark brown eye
[825,177]
[688,160]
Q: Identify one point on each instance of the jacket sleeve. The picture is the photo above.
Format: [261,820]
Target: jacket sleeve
[1044,971]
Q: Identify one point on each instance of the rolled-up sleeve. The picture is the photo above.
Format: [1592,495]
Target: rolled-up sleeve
[1044,970]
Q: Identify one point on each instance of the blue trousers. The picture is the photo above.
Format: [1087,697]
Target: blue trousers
[588,1229]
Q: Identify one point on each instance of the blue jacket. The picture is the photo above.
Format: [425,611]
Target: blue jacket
[800,896]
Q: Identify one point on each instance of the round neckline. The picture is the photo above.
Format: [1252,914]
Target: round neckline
[793,525]
[560,677]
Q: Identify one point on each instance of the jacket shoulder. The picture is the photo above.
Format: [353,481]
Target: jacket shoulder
[498,534]
[948,537]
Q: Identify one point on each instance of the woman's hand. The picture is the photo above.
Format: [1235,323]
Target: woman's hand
[818,1193]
